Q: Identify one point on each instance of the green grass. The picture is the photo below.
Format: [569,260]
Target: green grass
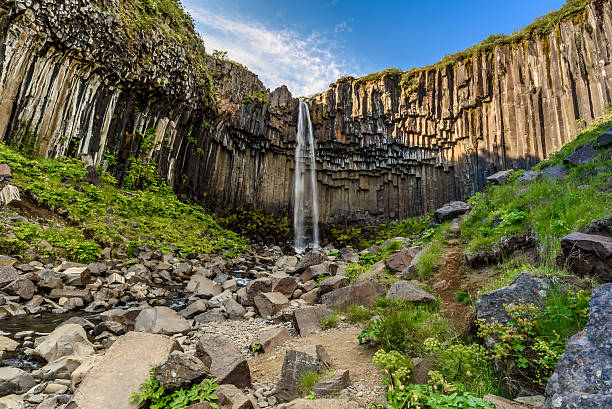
[309,379]
[330,322]
[152,216]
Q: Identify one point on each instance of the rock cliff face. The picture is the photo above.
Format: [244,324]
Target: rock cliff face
[75,78]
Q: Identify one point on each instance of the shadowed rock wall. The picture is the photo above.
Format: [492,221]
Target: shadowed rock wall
[73,80]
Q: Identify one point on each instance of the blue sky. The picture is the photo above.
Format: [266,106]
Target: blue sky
[309,44]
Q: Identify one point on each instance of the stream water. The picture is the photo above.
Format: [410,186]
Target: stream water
[306,202]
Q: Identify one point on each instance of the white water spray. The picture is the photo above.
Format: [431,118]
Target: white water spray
[306,204]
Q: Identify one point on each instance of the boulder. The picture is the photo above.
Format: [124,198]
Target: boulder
[404,290]
[231,397]
[233,309]
[306,319]
[21,287]
[528,176]
[559,172]
[348,254]
[295,364]
[272,338]
[526,289]
[377,271]
[270,303]
[330,386]
[582,155]
[12,402]
[605,139]
[449,212]
[397,262]
[256,287]
[61,368]
[79,374]
[161,320]
[363,293]
[119,373]
[502,403]
[58,293]
[203,287]
[8,274]
[333,283]
[327,268]
[224,360]
[285,285]
[7,345]
[195,308]
[180,369]
[286,261]
[66,340]
[76,275]
[9,194]
[311,296]
[11,309]
[214,315]
[412,271]
[322,404]
[583,373]
[15,380]
[499,178]
[589,254]
[313,257]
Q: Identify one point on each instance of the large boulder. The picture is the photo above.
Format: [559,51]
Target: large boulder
[404,290]
[12,402]
[297,363]
[61,368]
[348,254]
[270,303]
[589,254]
[284,284]
[161,320]
[203,287]
[66,340]
[397,262]
[583,374]
[230,397]
[22,287]
[333,283]
[582,155]
[15,380]
[526,289]
[528,176]
[126,364]
[326,268]
[363,293]
[313,257]
[256,287]
[8,274]
[271,338]
[333,385]
[306,319]
[499,178]
[180,369]
[7,345]
[223,360]
[452,210]
[559,172]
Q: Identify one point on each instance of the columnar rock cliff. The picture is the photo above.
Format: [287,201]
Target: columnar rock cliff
[76,77]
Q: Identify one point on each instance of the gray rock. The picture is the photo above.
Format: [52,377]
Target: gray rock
[69,339]
[412,271]
[582,155]
[180,369]
[313,272]
[404,290]
[232,398]
[204,287]
[214,315]
[605,139]
[526,289]
[555,173]
[8,274]
[21,287]
[322,404]
[339,381]
[295,364]
[451,211]
[270,303]
[363,293]
[256,287]
[224,361]
[272,338]
[306,319]
[349,255]
[333,283]
[583,374]
[589,254]
[233,309]
[284,284]
[313,257]
[399,261]
[195,308]
[12,402]
[61,368]
[499,178]
[528,177]
[15,380]
[161,320]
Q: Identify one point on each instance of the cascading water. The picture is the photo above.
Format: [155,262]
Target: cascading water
[306,205]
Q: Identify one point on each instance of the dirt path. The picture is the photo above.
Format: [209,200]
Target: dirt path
[345,352]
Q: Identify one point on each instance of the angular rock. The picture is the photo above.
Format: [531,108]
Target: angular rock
[327,387]
[214,315]
[161,320]
[202,286]
[256,287]
[8,274]
[124,366]
[313,257]
[526,289]
[57,293]
[224,361]
[233,309]
[21,287]
[306,319]
[9,194]
[605,139]
[79,374]
[349,255]
[231,397]
[589,254]
[194,308]
[583,373]
[61,368]
[311,296]
[270,303]
[272,338]
[76,275]
[363,293]
[322,404]
[449,212]
[286,261]
[333,283]
[412,271]
[326,268]
[499,178]
[295,364]
[66,340]
[559,172]
[528,176]
[7,345]
[285,285]
[12,402]
[502,403]
[404,290]
[15,380]
[397,262]
[180,369]
[582,155]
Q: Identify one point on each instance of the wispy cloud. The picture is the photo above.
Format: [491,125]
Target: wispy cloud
[343,27]
[279,56]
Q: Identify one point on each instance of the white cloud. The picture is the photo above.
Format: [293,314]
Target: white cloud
[279,56]
[343,27]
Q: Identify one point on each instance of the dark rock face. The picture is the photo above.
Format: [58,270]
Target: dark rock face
[297,363]
[527,289]
[451,211]
[397,149]
[581,155]
[584,372]
[224,360]
[589,254]
[340,380]
[180,369]
[499,178]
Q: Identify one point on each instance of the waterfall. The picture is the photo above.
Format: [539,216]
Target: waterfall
[306,204]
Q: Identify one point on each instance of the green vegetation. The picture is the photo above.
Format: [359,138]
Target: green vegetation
[548,208]
[257,225]
[531,343]
[258,96]
[364,237]
[152,395]
[309,379]
[101,216]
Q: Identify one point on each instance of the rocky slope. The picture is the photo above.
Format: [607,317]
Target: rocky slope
[80,79]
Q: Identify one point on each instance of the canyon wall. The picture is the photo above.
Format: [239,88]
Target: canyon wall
[77,79]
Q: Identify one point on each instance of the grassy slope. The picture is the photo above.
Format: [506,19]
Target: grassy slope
[97,217]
